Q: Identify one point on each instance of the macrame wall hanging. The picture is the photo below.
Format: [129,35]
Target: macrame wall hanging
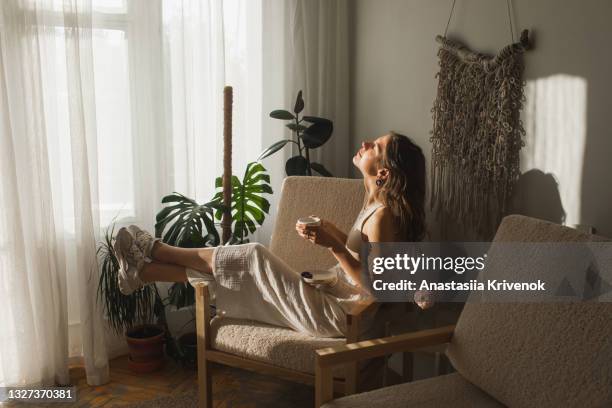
[477,132]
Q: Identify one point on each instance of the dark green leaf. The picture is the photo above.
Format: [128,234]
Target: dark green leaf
[317,134]
[252,169]
[273,148]
[248,207]
[295,127]
[296,166]
[299,103]
[281,114]
[315,119]
[319,168]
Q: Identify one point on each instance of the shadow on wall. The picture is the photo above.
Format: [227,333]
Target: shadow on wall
[555,123]
[536,194]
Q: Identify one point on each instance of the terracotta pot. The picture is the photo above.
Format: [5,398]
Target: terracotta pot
[146,347]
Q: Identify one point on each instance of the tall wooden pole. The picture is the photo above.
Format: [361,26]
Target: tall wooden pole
[226,220]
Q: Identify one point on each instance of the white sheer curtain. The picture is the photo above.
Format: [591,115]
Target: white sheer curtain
[317,63]
[106,106]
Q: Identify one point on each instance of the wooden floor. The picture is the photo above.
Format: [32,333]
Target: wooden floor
[231,387]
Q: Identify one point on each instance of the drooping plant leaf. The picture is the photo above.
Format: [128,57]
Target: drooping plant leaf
[281,114]
[296,166]
[273,148]
[248,206]
[318,133]
[188,223]
[122,311]
[299,103]
[319,168]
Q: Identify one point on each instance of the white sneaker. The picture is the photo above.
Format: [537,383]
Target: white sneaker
[131,261]
[143,239]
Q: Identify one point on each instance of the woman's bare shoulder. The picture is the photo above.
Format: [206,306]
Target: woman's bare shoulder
[380,227]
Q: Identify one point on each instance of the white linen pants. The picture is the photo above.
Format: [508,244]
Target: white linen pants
[250,282]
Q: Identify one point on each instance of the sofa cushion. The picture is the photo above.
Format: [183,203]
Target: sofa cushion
[536,354]
[279,346]
[450,390]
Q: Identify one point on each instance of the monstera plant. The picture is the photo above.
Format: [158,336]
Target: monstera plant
[188,224]
[310,132]
[249,207]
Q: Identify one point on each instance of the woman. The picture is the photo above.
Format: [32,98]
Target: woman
[250,282]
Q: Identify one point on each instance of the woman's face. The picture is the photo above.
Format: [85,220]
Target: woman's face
[368,157]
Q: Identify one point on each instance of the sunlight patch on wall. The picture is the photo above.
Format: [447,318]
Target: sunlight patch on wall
[555,125]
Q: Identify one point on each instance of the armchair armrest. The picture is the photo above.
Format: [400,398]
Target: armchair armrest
[349,353]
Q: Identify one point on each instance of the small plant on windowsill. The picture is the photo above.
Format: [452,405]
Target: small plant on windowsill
[310,132]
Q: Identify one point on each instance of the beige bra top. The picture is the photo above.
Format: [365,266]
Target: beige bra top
[353,239]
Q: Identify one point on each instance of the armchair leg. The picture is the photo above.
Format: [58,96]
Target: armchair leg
[324,385]
[408,366]
[351,378]
[203,332]
[204,385]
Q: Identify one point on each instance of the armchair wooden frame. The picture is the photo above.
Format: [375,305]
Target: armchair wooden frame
[207,354]
[350,354]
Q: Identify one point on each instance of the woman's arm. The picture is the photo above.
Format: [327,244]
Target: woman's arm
[340,235]
[378,228]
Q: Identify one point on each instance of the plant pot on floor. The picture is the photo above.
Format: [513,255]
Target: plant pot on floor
[189,345]
[146,347]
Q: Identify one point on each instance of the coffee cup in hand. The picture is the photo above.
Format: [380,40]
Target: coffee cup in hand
[309,221]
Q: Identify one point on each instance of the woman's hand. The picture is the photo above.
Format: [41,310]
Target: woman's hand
[423,299]
[323,235]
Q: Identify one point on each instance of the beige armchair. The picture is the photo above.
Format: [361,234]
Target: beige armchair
[505,354]
[276,350]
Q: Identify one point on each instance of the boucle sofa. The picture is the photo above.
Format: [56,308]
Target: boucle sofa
[505,354]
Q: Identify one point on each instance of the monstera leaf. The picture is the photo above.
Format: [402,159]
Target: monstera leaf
[189,224]
[248,206]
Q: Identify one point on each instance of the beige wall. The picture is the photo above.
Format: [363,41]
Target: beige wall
[569,89]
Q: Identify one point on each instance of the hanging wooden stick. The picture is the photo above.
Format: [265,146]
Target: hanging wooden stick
[226,220]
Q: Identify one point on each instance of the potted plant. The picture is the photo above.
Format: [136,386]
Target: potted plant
[310,132]
[188,224]
[139,315]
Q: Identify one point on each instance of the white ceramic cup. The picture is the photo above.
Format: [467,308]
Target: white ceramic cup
[309,221]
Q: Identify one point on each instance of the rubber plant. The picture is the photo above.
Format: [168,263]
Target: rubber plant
[310,132]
